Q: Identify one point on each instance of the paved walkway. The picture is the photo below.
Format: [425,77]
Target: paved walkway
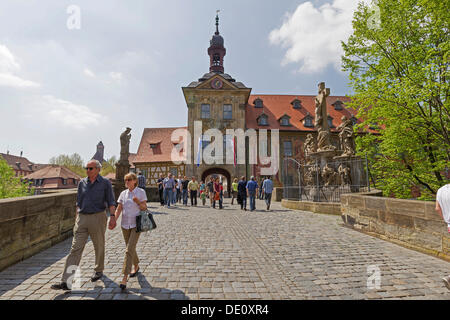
[200,253]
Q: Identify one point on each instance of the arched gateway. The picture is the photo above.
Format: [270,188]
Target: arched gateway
[219,171]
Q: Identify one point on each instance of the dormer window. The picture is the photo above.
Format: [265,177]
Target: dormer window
[330,122]
[338,105]
[308,122]
[284,121]
[262,120]
[258,103]
[297,104]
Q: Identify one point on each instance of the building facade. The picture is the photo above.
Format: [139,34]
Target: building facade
[218,101]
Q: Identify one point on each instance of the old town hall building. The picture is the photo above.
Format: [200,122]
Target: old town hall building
[220,101]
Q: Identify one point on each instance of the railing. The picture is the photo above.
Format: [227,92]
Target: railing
[324,182]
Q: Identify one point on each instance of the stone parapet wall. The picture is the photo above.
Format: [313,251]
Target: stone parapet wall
[316,207]
[29,225]
[411,223]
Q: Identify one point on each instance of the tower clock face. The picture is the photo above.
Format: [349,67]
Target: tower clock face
[216,84]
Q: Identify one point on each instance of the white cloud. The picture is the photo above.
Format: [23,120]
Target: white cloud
[313,35]
[88,72]
[70,114]
[117,76]
[8,66]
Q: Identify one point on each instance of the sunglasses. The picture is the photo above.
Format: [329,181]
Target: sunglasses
[90,168]
[129,179]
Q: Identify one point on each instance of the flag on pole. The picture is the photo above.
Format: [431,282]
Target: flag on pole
[199,151]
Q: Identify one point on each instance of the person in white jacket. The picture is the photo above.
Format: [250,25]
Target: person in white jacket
[443,208]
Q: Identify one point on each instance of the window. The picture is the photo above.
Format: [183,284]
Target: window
[228,144]
[297,104]
[64,181]
[262,121]
[153,145]
[206,111]
[287,147]
[263,147]
[338,105]
[227,111]
[309,122]
[330,122]
[285,121]
[258,103]
[174,172]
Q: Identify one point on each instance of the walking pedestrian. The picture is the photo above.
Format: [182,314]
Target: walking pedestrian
[210,189]
[184,190]
[261,181]
[234,190]
[95,193]
[267,188]
[220,195]
[161,189]
[141,181]
[203,192]
[169,189]
[242,193]
[179,182]
[252,191]
[443,208]
[131,201]
[192,188]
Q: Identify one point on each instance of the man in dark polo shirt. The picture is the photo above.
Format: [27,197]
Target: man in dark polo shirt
[94,195]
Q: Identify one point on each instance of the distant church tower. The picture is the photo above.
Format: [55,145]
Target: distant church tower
[100,153]
[218,101]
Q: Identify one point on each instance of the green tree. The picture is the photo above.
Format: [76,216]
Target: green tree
[398,63]
[10,185]
[109,166]
[73,162]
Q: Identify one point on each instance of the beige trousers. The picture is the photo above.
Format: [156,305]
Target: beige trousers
[131,238]
[211,197]
[93,225]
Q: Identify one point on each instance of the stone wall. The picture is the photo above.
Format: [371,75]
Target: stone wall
[31,224]
[411,223]
[317,207]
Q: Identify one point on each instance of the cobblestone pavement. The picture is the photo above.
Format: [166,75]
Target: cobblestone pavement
[201,253]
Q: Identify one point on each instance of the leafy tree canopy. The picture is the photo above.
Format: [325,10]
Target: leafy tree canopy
[398,63]
[10,185]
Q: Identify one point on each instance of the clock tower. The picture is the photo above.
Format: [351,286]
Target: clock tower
[217,101]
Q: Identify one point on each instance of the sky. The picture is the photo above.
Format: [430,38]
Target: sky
[75,72]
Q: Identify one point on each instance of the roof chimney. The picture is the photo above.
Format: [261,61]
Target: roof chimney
[21,153]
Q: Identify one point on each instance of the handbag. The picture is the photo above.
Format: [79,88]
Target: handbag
[217,196]
[145,221]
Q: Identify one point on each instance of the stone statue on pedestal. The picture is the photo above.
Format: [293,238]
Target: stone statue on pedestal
[321,120]
[125,145]
[346,137]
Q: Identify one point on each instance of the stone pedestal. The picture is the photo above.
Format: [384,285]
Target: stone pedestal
[323,157]
[122,168]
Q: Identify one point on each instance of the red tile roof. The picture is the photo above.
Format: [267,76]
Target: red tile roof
[13,160]
[53,171]
[276,106]
[162,137]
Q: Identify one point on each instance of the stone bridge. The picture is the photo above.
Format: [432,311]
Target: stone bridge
[201,253]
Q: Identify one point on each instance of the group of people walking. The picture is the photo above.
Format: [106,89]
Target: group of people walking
[172,191]
[95,196]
